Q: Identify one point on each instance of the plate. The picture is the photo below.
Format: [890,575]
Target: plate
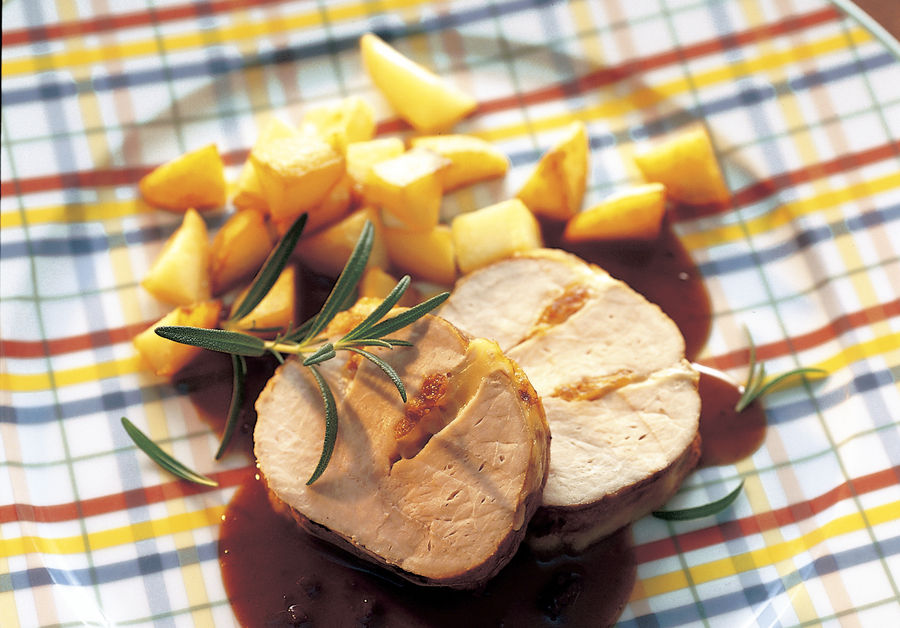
[803,107]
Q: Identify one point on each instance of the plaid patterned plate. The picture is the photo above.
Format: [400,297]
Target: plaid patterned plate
[803,106]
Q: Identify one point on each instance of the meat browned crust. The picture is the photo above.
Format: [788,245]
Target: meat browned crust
[439,491]
[620,398]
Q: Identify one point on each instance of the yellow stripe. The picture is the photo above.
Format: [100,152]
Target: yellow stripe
[78,55]
[116,536]
[69,377]
[648,96]
[784,214]
[769,555]
[74,213]
[127,366]
[610,108]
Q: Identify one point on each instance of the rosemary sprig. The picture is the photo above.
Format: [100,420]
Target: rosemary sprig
[306,340]
[698,512]
[163,459]
[757,386]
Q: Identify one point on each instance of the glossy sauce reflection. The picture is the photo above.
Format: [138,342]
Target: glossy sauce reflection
[277,575]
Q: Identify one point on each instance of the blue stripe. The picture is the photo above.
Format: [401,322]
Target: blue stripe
[306,51]
[142,566]
[760,594]
[802,240]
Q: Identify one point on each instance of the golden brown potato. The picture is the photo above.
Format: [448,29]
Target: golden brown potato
[492,233]
[276,311]
[349,120]
[686,164]
[633,214]
[361,156]
[409,188]
[471,158]
[556,187]
[166,357]
[378,283]
[249,194]
[426,101]
[180,275]
[239,249]
[327,251]
[296,173]
[193,180]
[427,255]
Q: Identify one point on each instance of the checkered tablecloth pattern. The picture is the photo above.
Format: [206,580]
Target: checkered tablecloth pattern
[803,107]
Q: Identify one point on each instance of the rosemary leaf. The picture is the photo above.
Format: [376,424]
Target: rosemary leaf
[403,319]
[698,512]
[160,457]
[239,368]
[346,283]
[379,312]
[270,271]
[325,352]
[298,332]
[757,386]
[396,342]
[214,339]
[754,392]
[331,425]
[384,366]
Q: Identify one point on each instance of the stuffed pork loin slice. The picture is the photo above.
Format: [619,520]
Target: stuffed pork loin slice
[620,398]
[439,490]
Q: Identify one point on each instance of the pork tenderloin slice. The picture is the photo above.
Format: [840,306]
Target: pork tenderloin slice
[621,401]
[449,509]
[519,291]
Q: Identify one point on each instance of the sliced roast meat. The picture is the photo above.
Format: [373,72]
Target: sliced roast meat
[620,398]
[439,490]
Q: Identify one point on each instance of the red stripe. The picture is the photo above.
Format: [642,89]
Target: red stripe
[591,81]
[120,501]
[739,528]
[120,21]
[815,338]
[655,550]
[69,344]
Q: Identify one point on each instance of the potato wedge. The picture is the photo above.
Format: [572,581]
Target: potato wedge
[239,249]
[276,311]
[249,194]
[327,251]
[296,173]
[633,214]
[418,95]
[378,283]
[427,255]
[333,207]
[193,180]
[686,164]
[409,188]
[471,158]
[180,275]
[492,233]
[166,357]
[361,156]
[349,120]
[556,187]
